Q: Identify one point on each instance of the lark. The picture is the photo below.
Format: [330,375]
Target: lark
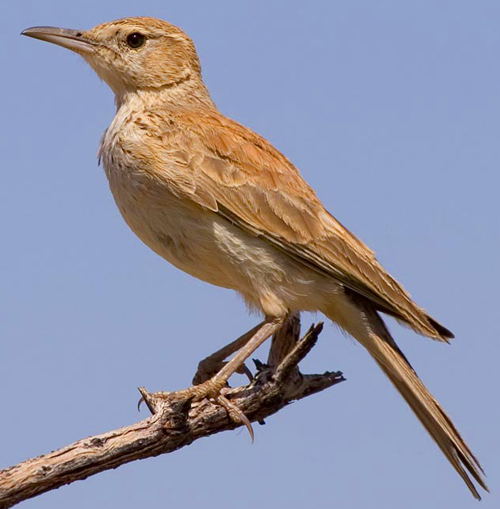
[219,202]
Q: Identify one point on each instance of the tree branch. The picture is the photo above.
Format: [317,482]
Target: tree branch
[174,424]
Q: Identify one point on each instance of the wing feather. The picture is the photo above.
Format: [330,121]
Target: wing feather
[229,169]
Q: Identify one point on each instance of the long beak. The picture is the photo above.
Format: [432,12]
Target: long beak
[65,37]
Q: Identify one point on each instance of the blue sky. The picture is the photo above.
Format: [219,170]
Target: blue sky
[392,112]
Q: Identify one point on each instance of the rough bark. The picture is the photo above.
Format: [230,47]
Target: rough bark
[176,423]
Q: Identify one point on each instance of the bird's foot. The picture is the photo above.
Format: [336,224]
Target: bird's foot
[213,390]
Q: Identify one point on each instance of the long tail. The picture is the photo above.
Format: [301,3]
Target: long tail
[375,337]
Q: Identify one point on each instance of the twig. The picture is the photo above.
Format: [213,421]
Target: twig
[174,424]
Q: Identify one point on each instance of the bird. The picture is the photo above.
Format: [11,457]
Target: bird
[219,202]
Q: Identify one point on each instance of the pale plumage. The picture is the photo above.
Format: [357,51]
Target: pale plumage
[228,169]
[219,202]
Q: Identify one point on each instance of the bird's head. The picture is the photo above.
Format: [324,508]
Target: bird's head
[131,54]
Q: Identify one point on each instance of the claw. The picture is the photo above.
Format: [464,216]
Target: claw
[139,403]
[245,371]
[144,399]
[236,414]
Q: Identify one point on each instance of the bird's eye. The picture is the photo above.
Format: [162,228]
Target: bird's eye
[136,40]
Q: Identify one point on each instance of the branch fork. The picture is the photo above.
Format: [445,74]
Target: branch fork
[176,423]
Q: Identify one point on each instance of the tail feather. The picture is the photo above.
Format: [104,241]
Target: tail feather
[380,344]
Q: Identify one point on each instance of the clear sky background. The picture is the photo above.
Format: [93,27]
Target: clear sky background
[391,110]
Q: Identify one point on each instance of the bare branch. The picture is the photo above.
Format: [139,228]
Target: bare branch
[175,423]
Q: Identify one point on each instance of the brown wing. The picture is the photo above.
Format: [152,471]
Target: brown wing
[229,169]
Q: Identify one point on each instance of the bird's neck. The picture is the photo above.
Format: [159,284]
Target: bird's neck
[189,92]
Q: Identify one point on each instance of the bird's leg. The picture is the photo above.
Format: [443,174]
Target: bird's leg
[212,388]
[263,331]
[212,364]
